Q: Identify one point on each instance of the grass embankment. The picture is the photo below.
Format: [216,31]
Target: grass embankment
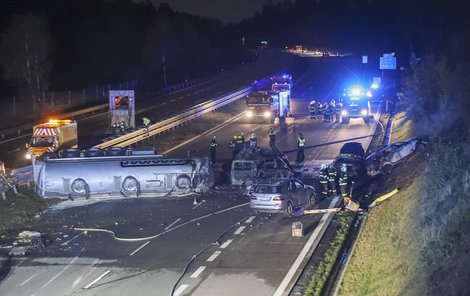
[386,260]
[167,140]
[323,271]
[18,211]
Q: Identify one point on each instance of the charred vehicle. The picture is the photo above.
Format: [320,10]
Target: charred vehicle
[113,173]
[248,162]
[353,155]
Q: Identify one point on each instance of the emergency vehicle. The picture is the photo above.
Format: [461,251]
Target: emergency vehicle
[271,104]
[356,104]
[51,137]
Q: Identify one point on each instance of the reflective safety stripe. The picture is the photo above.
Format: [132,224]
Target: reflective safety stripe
[323,182]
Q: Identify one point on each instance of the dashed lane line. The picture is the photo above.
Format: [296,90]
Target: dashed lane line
[97,279]
[213,256]
[226,243]
[180,290]
[249,220]
[198,272]
[139,248]
[239,230]
[174,222]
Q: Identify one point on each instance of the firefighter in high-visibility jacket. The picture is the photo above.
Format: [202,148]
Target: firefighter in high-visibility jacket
[343,181]
[323,175]
[332,174]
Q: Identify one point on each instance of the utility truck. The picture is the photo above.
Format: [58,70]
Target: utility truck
[50,138]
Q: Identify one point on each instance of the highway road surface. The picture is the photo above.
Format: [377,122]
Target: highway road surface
[193,245]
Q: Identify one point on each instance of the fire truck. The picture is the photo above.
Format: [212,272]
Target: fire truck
[51,137]
[267,105]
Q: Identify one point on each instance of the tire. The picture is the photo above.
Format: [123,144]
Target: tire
[79,186]
[289,210]
[387,168]
[130,184]
[345,120]
[312,200]
[71,153]
[94,152]
[115,151]
[366,119]
[183,182]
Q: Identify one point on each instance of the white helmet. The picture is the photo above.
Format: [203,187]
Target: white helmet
[344,168]
[323,166]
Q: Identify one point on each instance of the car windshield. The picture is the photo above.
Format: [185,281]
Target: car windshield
[42,142]
[267,189]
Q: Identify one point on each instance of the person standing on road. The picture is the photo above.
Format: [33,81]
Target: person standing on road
[146,122]
[272,137]
[300,148]
[332,173]
[213,150]
[323,175]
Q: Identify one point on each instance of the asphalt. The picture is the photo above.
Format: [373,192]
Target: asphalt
[213,247]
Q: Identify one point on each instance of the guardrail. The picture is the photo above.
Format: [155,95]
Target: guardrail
[175,121]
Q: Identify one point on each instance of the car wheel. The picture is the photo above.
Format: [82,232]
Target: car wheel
[312,200]
[345,120]
[387,168]
[289,210]
[366,119]
[130,184]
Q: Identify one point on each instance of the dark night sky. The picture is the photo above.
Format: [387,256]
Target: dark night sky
[228,11]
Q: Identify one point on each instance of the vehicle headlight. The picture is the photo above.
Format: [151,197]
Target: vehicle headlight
[249,113]
[364,112]
[344,112]
[267,114]
[356,91]
[28,156]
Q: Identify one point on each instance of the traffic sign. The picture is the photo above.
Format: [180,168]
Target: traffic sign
[388,62]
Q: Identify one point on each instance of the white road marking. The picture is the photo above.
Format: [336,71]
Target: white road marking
[30,278]
[139,248]
[66,243]
[249,220]
[59,273]
[198,272]
[290,274]
[203,201]
[77,281]
[226,243]
[212,258]
[164,103]
[97,279]
[174,222]
[180,290]
[239,230]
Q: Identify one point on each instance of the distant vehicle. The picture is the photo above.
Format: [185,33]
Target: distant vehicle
[281,196]
[50,138]
[325,54]
[263,174]
[356,104]
[386,158]
[260,105]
